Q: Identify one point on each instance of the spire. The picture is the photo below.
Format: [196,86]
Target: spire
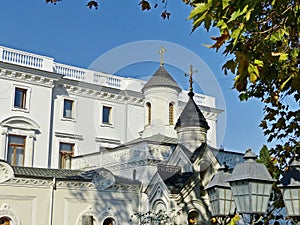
[191,115]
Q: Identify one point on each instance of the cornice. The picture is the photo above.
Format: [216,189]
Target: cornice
[43,183]
[103,94]
[27,77]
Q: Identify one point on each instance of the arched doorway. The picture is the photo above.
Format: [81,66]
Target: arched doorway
[193,217]
[109,221]
[4,221]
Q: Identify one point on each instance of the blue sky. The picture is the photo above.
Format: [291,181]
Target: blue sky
[72,34]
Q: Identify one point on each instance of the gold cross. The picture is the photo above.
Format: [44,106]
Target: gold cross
[161,52]
[191,77]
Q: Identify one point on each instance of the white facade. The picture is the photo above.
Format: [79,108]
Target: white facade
[48,84]
[113,139]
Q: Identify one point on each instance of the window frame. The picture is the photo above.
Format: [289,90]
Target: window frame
[171,113]
[110,116]
[26,92]
[148,113]
[13,157]
[63,153]
[73,110]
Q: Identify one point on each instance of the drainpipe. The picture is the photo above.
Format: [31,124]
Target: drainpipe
[53,188]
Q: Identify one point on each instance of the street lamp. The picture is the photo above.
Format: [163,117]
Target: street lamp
[290,187]
[220,196]
[251,186]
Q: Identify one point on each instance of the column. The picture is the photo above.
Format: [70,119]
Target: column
[3,143]
[29,149]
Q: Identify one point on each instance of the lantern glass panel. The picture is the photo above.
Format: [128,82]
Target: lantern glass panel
[213,193]
[292,201]
[241,193]
[260,193]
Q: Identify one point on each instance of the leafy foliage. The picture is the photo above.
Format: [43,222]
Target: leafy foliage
[262,40]
[160,217]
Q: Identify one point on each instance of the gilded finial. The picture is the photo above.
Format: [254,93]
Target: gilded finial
[162,52]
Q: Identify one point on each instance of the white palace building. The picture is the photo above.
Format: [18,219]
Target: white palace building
[82,147]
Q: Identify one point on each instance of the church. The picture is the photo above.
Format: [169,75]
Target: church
[85,147]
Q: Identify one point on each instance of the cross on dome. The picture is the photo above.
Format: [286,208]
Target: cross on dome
[190,74]
[162,52]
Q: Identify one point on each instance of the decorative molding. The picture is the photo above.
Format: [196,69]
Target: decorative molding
[92,92]
[27,78]
[6,211]
[69,135]
[6,172]
[89,212]
[20,122]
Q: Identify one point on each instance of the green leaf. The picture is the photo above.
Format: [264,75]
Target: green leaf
[198,9]
[253,73]
[225,3]
[259,63]
[283,57]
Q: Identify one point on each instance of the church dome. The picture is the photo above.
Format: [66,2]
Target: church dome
[191,115]
[161,78]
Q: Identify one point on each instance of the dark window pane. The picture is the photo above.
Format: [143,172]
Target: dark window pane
[20,98]
[65,147]
[68,106]
[106,114]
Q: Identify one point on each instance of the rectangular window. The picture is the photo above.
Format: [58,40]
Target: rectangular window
[68,108]
[66,152]
[16,150]
[106,115]
[20,98]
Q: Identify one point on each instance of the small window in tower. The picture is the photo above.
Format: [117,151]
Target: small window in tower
[148,105]
[171,114]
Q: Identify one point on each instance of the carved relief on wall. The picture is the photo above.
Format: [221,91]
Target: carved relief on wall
[7,212]
[6,172]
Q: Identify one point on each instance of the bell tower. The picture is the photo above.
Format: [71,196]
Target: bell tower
[161,102]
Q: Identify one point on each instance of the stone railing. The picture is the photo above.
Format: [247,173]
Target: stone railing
[26,59]
[107,80]
[70,72]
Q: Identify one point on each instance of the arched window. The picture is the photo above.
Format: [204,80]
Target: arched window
[193,217]
[109,221]
[171,113]
[148,104]
[4,221]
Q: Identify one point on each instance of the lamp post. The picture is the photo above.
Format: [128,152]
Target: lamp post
[220,196]
[290,187]
[251,185]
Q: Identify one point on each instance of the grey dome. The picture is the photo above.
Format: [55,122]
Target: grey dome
[191,115]
[161,78]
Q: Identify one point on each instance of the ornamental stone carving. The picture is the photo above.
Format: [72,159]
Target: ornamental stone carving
[6,211]
[6,172]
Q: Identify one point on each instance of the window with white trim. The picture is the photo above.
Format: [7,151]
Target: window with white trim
[66,152]
[87,220]
[148,105]
[21,96]
[4,221]
[16,150]
[106,115]
[68,110]
[171,113]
